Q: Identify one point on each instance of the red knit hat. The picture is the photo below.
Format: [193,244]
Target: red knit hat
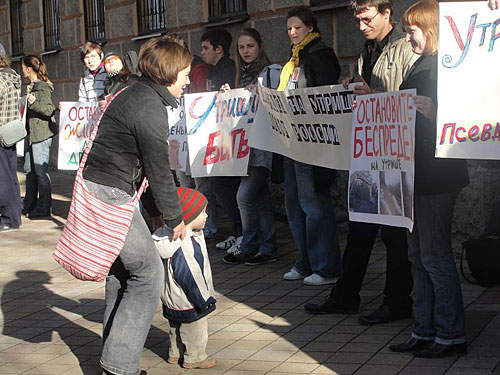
[192,201]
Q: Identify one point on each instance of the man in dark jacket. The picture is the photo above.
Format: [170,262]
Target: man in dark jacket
[382,66]
[215,45]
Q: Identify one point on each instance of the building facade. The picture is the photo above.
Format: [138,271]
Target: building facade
[56,28]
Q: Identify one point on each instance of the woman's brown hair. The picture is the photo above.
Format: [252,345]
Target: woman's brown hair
[425,15]
[262,60]
[4,61]
[38,66]
[161,59]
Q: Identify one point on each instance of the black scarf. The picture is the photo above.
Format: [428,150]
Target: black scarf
[248,73]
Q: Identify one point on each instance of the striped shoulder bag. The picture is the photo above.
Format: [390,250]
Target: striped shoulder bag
[95,231]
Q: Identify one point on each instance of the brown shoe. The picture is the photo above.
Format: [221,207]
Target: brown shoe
[206,363]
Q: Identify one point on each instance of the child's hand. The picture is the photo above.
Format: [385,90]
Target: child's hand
[179,231]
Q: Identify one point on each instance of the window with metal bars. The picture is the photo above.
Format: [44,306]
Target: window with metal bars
[16,22]
[94,20]
[151,14]
[223,9]
[51,25]
[333,3]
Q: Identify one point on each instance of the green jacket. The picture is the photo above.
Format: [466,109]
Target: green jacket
[393,64]
[40,112]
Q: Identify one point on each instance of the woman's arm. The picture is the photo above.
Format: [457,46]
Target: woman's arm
[42,103]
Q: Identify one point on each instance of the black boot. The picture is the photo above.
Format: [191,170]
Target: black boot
[436,350]
[410,346]
[384,314]
[331,305]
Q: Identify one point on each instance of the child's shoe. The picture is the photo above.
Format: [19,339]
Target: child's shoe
[173,360]
[206,363]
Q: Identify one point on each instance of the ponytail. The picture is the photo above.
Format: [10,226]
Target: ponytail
[38,66]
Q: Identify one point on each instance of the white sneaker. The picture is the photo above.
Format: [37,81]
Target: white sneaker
[227,243]
[236,245]
[293,274]
[316,279]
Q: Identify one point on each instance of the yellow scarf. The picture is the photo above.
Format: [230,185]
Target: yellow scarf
[294,60]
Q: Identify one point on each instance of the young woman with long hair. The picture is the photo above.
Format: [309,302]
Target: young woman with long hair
[254,198]
[37,201]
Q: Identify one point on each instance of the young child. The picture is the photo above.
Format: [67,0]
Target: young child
[188,294]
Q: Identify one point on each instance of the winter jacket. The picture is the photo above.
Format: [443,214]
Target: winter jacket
[270,78]
[223,72]
[188,294]
[10,89]
[39,115]
[132,142]
[319,66]
[393,64]
[432,175]
[114,84]
[92,86]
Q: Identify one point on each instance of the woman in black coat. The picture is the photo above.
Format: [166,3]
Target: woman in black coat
[131,143]
[439,328]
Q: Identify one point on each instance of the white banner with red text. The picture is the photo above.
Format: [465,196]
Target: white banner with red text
[217,125]
[381,176]
[468,117]
[311,125]
[77,119]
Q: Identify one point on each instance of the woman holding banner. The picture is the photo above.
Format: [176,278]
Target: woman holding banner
[307,187]
[439,328]
[37,203]
[253,197]
[131,142]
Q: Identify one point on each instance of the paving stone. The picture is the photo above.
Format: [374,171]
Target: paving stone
[259,327]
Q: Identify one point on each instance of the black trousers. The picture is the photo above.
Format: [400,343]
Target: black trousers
[398,282]
[10,194]
[225,189]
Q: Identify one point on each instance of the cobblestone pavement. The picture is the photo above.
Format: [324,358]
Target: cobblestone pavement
[51,322]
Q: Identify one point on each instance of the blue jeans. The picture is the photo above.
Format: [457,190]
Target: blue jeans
[256,210]
[438,305]
[312,222]
[133,289]
[38,197]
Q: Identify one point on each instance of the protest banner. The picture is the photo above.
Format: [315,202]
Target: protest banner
[77,119]
[23,102]
[217,125]
[381,176]
[177,137]
[311,125]
[468,79]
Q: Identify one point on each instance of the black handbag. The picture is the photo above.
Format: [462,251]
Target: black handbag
[483,257]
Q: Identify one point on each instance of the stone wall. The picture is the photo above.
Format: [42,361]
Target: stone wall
[188,18]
